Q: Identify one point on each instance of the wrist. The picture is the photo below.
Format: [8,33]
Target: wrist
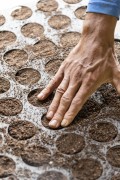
[99,28]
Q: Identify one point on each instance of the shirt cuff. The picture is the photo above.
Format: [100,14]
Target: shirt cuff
[104,7]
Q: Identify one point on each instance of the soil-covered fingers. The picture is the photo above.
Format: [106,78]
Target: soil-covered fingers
[77,104]
[56,101]
[64,104]
[53,84]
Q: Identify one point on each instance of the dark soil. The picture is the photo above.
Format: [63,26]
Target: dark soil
[52,175]
[4,85]
[22,130]
[72,1]
[70,143]
[21,13]
[103,131]
[10,106]
[7,166]
[52,66]
[32,98]
[90,108]
[16,57]
[87,169]
[6,38]
[59,21]
[113,156]
[80,12]
[36,155]
[116,177]
[32,30]
[27,76]
[2,20]
[44,48]
[47,6]
[70,39]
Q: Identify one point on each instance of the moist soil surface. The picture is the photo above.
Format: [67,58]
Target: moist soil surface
[21,13]
[52,66]
[32,98]
[47,6]
[7,166]
[2,20]
[103,131]
[16,57]
[87,169]
[32,50]
[75,143]
[44,48]
[70,39]
[59,21]
[6,38]
[4,85]
[22,130]
[36,155]
[52,175]
[80,12]
[27,76]
[10,106]
[72,1]
[32,30]
[113,156]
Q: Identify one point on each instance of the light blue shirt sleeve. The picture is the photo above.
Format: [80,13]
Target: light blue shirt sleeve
[109,7]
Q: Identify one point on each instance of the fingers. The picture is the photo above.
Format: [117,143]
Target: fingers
[53,84]
[77,103]
[64,104]
[56,101]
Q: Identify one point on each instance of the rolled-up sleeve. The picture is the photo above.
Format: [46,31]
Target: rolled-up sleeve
[109,7]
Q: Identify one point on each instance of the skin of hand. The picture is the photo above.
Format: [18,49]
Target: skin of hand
[89,65]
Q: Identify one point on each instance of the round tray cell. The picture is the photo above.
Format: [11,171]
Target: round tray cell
[22,130]
[32,30]
[59,21]
[87,169]
[44,48]
[2,20]
[7,166]
[36,155]
[16,57]
[72,1]
[81,12]
[10,106]
[6,38]
[27,76]
[113,156]
[70,39]
[47,6]
[21,13]
[70,143]
[116,177]
[45,123]
[52,175]
[103,131]
[90,108]
[4,85]
[32,98]
[52,66]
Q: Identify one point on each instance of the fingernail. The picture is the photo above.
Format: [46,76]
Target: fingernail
[41,95]
[53,123]
[64,123]
[50,114]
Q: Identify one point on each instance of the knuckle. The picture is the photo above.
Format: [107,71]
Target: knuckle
[65,99]
[60,90]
